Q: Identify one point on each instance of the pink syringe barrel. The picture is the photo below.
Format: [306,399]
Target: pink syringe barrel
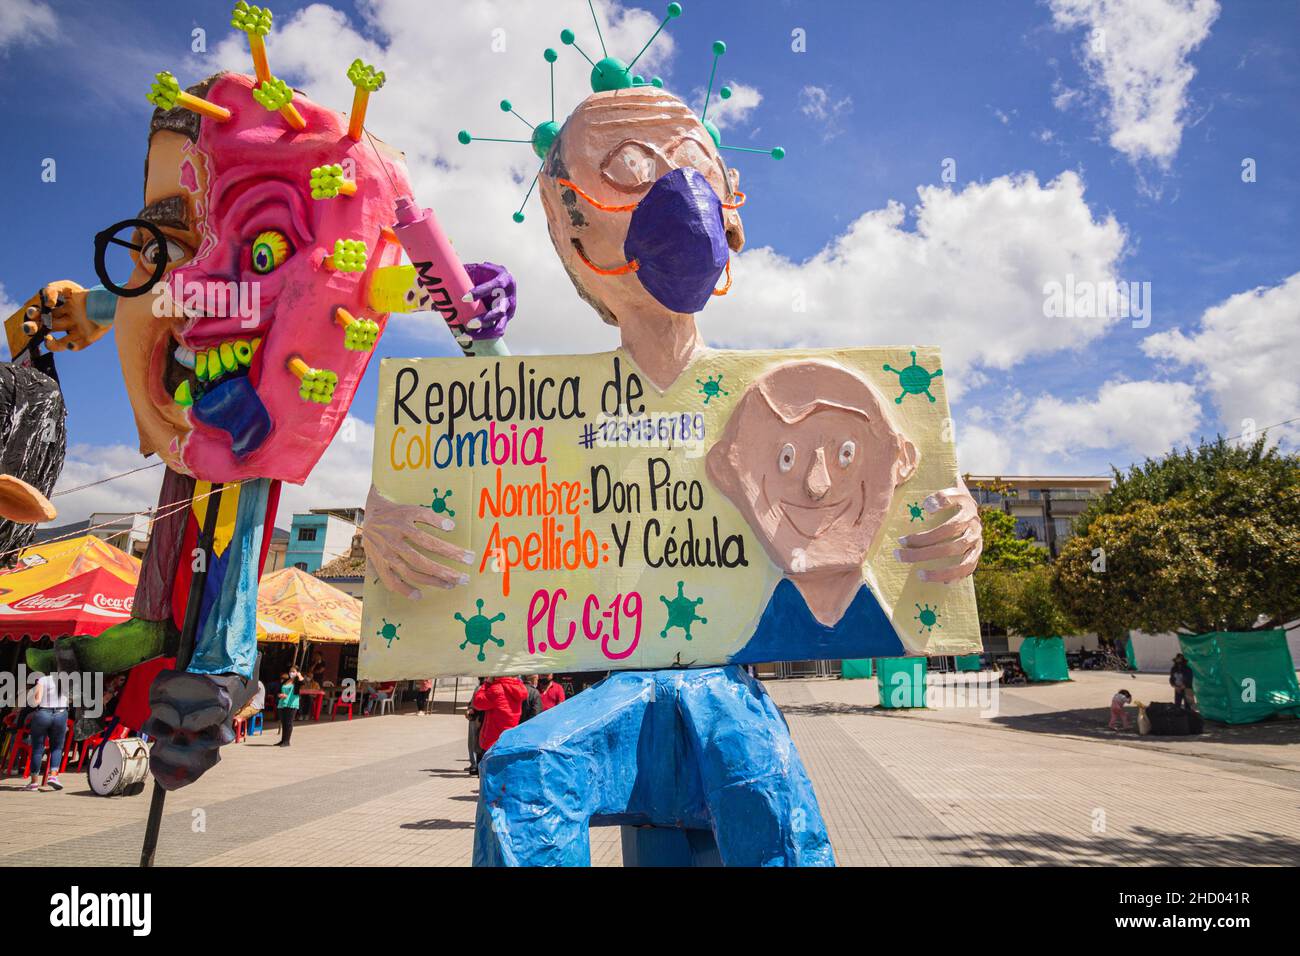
[437,268]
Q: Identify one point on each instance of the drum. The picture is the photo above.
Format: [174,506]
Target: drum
[123,769]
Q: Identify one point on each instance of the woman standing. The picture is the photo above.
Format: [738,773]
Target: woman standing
[422,691]
[288,704]
[49,721]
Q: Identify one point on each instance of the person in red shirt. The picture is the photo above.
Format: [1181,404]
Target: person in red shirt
[552,691]
[500,700]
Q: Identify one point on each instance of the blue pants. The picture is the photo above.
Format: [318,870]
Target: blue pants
[51,723]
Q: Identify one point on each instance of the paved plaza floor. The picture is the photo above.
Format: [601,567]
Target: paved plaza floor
[1041,781]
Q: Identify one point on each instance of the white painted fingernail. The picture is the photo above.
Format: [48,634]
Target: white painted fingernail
[931,504]
[463,580]
[413,595]
[467,297]
[923,575]
[903,541]
[469,557]
[448,524]
[898,555]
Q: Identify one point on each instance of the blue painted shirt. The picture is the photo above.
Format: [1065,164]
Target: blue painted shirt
[788,631]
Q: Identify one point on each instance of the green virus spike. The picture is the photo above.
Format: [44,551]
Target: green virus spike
[439,503]
[327,182]
[165,91]
[388,632]
[916,511]
[929,618]
[611,73]
[543,134]
[711,387]
[255,21]
[366,77]
[914,380]
[719,48]
[361,335]
[478,629]
[681,612]
[349,256]
[273,93]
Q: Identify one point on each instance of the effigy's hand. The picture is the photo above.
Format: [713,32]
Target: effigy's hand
[395,537]
[494,286]
[960,536]
[67,316]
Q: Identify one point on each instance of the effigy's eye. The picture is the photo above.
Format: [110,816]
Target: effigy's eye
[270,250]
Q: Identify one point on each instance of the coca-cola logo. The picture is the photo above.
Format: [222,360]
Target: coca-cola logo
[120,605]
[41,602]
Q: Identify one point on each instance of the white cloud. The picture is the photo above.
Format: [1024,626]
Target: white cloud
[7,308]
[970,278]
[26,22]
[1137,52]
[821,105]
[1244,354]
[1147,418]
[982,451]
[340,480]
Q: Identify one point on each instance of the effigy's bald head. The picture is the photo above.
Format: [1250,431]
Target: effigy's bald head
[245,366]
[634,177]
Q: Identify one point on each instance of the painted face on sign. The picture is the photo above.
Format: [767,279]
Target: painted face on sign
[220,369]
[816,470]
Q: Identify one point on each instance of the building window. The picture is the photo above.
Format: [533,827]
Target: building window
[300,565]
[306,534]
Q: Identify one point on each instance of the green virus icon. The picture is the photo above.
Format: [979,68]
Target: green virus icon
[929,618]
[711,388]
[439,503]
[915,510]
[914,380]
[388,632]
[478,629]
[681,612]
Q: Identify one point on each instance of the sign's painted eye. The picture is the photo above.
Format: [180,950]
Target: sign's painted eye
[847,453]
[785,461]
[270,250]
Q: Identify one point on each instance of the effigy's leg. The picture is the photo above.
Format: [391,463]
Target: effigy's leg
[696,765]
[761,802]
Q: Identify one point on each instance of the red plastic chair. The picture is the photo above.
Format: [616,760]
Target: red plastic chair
[344,700]
[91,743]
[238,726]
[22,745]
[316,705]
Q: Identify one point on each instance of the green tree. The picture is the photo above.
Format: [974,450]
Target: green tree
[1207,539]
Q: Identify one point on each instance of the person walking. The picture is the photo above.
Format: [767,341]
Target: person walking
[287,707]
[532,705]
[552,691]
[475,719]
[501,700]
[49,721]
[1180,679]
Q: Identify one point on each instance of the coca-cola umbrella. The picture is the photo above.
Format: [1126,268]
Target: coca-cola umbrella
[81,587]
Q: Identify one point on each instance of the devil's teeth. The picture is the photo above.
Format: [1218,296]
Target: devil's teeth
[216,360]
[183,355]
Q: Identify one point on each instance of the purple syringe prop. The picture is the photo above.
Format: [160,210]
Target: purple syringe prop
[441,275]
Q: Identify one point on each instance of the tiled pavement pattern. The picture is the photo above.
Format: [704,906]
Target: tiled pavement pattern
[1032,785]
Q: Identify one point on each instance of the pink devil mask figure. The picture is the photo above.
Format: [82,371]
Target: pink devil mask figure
[246,363]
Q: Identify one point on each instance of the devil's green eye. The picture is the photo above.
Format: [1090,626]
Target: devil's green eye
[270,249]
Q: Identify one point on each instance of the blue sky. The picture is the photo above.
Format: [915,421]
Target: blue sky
[884,93]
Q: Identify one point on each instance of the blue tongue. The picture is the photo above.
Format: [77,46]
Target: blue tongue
[233,406]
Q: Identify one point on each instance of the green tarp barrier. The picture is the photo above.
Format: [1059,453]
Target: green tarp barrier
[1242,677]
[1043,659]
[855,670]
[901,681]
[1130,655]
[969,662]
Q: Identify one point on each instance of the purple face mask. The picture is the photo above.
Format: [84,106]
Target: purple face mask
[676,242]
